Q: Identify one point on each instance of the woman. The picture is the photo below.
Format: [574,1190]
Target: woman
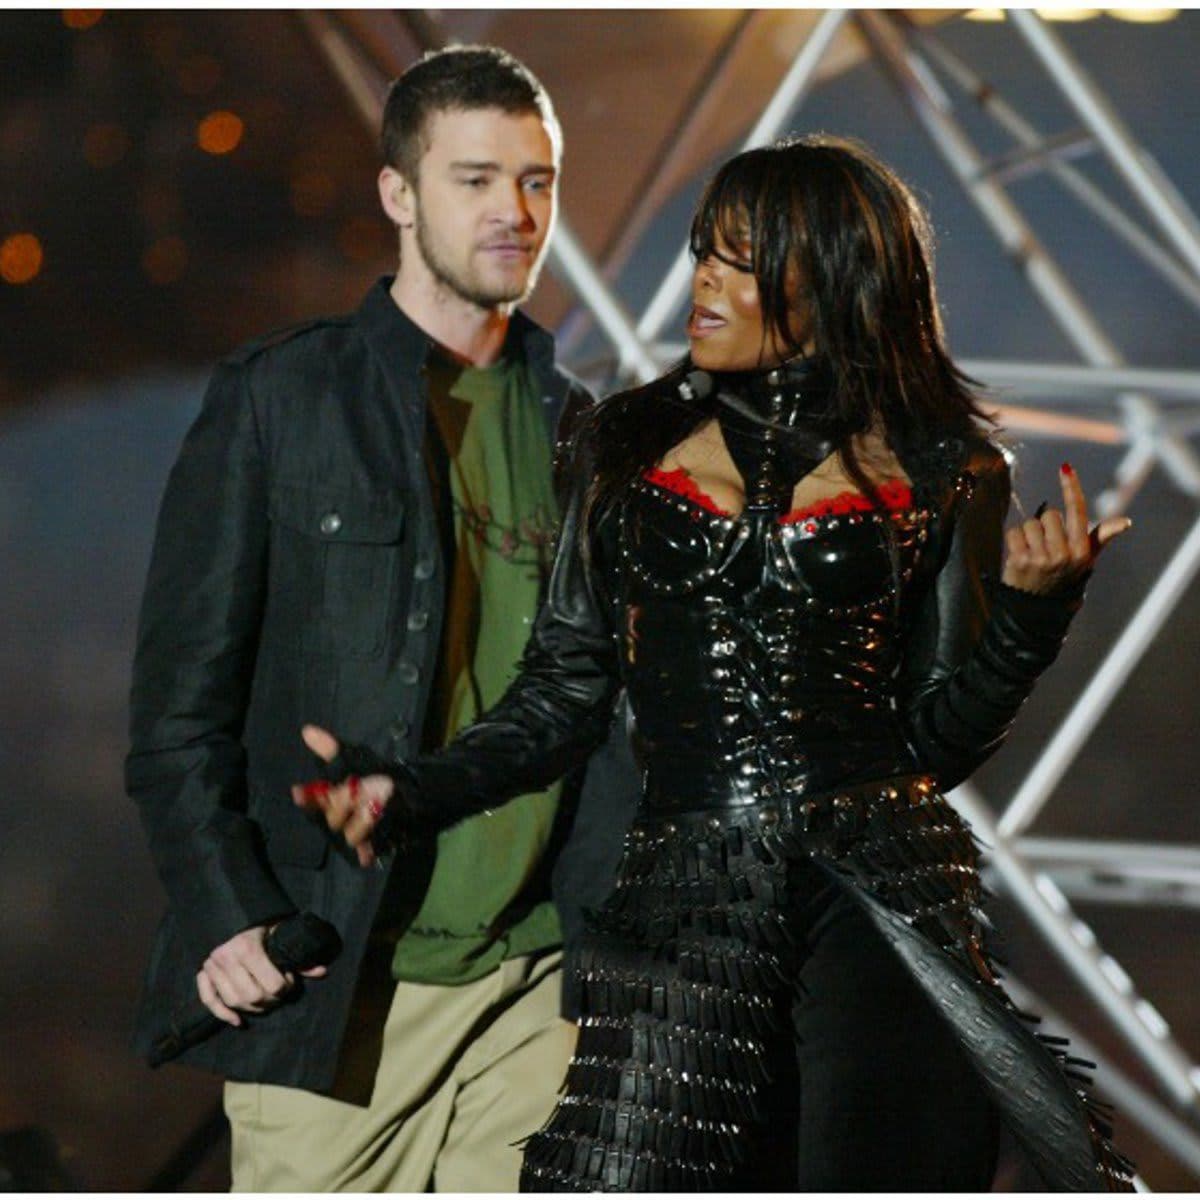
[788,550]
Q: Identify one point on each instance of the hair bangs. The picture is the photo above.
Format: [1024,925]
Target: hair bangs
[725,215]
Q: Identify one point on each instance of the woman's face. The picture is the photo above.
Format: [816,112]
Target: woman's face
[726,329]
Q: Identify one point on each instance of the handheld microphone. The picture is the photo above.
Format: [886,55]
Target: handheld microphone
[295,944]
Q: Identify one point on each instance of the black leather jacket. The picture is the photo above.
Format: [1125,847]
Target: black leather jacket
[970,647]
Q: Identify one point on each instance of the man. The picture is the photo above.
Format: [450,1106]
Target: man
[355,534]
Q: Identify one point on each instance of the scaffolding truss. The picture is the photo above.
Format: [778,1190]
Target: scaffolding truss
[1151,415]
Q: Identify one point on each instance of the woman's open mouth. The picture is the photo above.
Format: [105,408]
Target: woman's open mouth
[703,321]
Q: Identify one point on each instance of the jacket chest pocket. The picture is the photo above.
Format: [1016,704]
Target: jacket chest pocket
[340,556]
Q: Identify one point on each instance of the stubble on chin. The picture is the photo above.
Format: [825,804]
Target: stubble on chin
[478,291]
[468,285]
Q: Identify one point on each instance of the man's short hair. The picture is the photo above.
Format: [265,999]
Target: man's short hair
[457,78]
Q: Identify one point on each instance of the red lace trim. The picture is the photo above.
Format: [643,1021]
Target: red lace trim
[895,495]
[682,484]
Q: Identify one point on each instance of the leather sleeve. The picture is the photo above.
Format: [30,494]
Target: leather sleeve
[975,646]
[196,647]
[568,450]
[556,712]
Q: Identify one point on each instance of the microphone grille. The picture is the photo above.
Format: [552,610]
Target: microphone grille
[696,385]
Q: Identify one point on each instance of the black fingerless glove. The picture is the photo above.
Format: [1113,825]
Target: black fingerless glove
[399,820]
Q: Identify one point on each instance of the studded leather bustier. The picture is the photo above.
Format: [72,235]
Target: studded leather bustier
[761,650]
[765,650]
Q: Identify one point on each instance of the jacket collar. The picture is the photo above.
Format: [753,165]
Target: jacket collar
[402,346]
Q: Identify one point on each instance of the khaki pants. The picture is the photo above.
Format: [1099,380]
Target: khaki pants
[465,1073]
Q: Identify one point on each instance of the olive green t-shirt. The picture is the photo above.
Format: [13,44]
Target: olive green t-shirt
[497,504]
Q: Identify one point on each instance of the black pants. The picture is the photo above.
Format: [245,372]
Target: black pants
[880,1097]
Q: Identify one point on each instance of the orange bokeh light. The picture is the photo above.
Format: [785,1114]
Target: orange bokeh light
[220,132]
[165,260]
[81,18]
[21,258]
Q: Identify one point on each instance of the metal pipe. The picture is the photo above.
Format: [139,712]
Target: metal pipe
[649,192]
[1078,184]
[1031,158]
[1110,131]
[1130,474]
[1015,235]
[1125,654]
[1067,383]
[1060,426]
[384,37]
[887,35]
[1149,860]
[577,269]
[1126,873]
[1076,946]
[1040,378]
[790,93]
[1082,885]
[363,81]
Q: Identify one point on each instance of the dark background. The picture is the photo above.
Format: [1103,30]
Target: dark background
[158,257]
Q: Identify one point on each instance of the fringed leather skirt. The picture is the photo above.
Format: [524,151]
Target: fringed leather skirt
[689,972]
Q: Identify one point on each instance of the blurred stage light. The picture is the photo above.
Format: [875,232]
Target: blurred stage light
[165,260]
[220,132]
[985,14]
[1143,16]
[105,144]
[1067,14]
[81,18]
[21,258]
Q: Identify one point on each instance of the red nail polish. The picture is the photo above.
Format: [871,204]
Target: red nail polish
[1067,469]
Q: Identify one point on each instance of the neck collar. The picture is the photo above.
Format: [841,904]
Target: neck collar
[777,425]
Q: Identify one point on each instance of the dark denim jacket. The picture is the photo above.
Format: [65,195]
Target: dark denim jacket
[297,576]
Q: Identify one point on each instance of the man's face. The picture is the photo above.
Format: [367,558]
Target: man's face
[486,199]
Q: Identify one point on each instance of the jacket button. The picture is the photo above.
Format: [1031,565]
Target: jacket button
[407,671]
[424,568]
[331,522]
[418,619]
[399,731]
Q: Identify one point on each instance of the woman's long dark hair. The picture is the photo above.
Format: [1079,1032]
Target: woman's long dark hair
[840,247]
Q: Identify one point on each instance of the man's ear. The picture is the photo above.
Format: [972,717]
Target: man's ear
[397,198]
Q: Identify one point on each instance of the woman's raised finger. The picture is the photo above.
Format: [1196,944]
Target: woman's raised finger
[1075,506]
